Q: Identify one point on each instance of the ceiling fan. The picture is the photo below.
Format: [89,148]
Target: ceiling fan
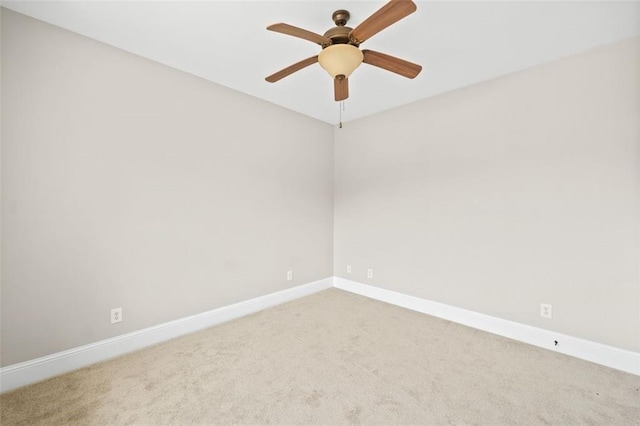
[341,54]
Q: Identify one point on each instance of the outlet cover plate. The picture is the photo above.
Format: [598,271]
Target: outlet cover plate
[116,315]
[546,310]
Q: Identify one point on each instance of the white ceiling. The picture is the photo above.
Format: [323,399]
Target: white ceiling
[457,43]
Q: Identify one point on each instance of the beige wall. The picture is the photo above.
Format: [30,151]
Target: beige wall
[504,195]
[127,183]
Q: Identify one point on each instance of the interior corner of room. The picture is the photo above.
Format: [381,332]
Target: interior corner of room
[130,184]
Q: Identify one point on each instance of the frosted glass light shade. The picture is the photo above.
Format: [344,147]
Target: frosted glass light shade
[340,59]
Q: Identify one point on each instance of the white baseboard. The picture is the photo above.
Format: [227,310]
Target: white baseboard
[17,375]
[599,353]
[24,373]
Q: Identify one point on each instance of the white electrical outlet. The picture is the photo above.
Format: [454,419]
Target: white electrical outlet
[289,275]
[116,315]
[348,269]
[545,310]
[369,273]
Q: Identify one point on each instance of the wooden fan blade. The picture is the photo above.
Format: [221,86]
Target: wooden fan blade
[387,15]
[390,63]
[341,87]
[291,69]
[300,33]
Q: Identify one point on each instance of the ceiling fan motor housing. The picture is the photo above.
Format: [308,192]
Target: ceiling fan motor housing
[338,35]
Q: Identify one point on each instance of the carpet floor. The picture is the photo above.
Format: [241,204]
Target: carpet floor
[333,358]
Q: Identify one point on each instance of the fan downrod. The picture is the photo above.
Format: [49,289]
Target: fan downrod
[340,33]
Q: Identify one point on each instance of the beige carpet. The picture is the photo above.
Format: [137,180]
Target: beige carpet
[334,358]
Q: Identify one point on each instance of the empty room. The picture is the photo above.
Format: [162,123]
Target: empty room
[320,212]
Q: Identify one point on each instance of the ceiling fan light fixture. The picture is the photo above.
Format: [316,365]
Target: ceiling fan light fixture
[340,54]
[340,59]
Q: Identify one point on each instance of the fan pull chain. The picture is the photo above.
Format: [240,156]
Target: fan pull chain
[341,108]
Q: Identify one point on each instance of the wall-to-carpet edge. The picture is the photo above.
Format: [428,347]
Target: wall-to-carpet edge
[32,371]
